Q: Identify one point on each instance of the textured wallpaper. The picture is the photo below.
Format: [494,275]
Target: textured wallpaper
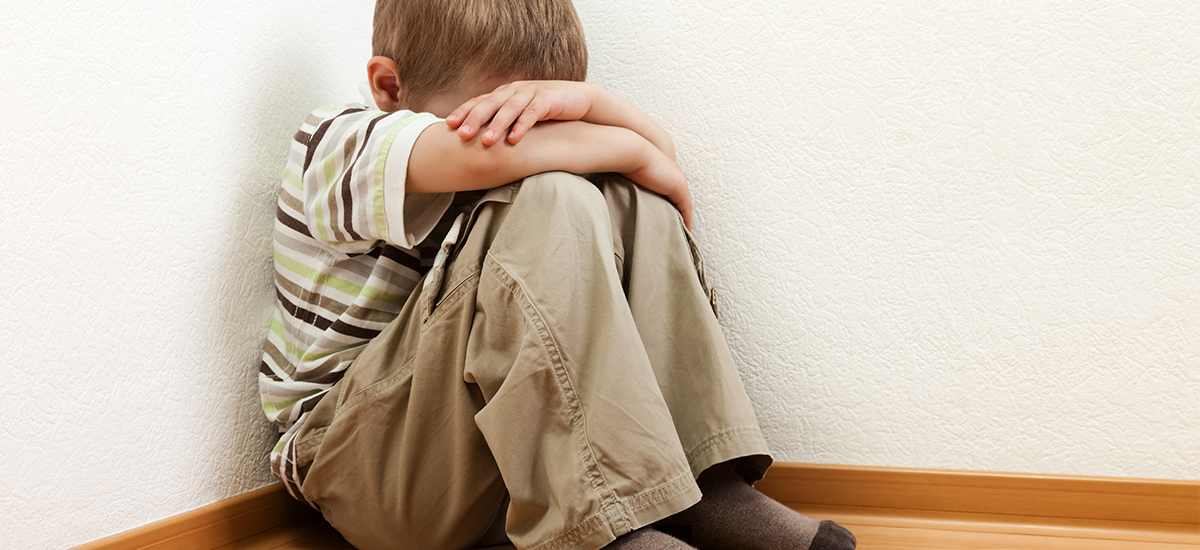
[947,236]
[142,145]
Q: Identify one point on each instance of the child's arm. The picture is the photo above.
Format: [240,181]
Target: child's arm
[441,161]
[522,104]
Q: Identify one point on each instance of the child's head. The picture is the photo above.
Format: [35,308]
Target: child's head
[442,46]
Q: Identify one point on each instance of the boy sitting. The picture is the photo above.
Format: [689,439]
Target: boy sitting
[459,360]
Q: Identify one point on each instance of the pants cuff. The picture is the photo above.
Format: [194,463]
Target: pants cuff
[745,443]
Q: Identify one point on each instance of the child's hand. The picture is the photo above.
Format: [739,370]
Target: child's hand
[514,108]
[664,176]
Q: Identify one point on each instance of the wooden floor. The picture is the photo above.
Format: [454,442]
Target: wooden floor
[873,532]
[885,508]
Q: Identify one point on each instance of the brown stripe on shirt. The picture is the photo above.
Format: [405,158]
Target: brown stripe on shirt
[356,312]
[343,327]
[308,297]
[292,223]
[264,368]
[302,137]
[347,199]
[303,315]
[320,133]
[313,119]
[311,403]
[343,192]
[291,200]
[400,256]
[280,360]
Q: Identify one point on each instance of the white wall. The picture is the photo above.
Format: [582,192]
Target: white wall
[959,237]
[142,142]
[947,234]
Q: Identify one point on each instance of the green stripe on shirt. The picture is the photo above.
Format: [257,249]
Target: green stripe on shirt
[381,167]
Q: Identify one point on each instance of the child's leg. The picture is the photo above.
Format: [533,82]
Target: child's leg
[526,341]
[617,331]
[392,455]
[662,275]
[734,515]
[598,421]
[574,416]
[701,386]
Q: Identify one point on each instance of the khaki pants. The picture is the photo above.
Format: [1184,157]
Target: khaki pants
[565,361]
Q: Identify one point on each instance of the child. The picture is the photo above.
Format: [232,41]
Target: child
[536,361]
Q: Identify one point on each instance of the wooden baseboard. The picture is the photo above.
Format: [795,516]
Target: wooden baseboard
[1164,509]
[218,524]
[1025,495]
[1100,507]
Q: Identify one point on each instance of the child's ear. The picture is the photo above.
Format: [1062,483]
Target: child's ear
[385,83]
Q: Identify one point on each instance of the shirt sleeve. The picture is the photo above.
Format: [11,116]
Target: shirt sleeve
[353,171]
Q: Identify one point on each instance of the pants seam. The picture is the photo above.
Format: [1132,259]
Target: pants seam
[679,485]
[609,502]
[565,540]
[451,297]
[717,439]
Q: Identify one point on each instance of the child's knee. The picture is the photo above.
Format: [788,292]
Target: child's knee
[564,195]
[626,198]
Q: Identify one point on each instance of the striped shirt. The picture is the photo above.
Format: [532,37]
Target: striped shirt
[348,251]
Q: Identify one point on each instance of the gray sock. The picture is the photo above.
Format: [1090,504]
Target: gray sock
[647,538]
[732,515]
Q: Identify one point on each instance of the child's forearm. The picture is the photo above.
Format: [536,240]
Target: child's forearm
[613,110]
[442,162]
[523,104]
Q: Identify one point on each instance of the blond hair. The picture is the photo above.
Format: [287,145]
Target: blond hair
[439,44]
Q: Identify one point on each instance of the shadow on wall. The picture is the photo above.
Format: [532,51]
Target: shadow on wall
[292,80]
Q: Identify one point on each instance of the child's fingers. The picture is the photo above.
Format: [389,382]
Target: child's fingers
[685,209]
[530,116]
[484,109]
[455,119]
[682,199]
[505,116]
